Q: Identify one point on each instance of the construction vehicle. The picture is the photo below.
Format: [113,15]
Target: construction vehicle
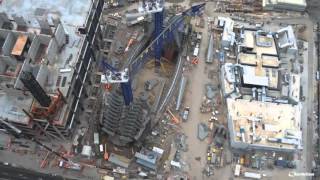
[173,117]
[70,165]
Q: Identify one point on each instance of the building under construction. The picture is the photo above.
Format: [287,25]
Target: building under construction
[47,51]
[261,81]
[133,47]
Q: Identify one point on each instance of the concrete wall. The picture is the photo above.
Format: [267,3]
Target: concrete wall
[34,48]
[36,42]
[8,60]
[8,44]
[3,35]
[2,67]
[52,51]
[25,67]
[42,75]
[60,36]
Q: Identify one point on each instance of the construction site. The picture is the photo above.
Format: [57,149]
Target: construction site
[113,89]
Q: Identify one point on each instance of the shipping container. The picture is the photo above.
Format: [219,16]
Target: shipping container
[96,138]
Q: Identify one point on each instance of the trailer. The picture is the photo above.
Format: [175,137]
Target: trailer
[237,170]
[252,175]
[210,50]
[196,52]
[96,138]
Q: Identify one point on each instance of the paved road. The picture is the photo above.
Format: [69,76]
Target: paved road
[8,172]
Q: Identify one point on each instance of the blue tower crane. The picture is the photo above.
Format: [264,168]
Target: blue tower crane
[154,49]
[160,34]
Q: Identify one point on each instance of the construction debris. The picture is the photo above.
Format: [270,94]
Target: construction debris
[150,84]
[203,131]
[210,91]
[119,160]
[181,142]
[207,105]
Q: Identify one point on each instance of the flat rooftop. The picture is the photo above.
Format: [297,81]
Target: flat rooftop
[250,42]
[265,124]
[253,59]
[260,76]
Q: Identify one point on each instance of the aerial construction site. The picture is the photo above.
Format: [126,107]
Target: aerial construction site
[155,89]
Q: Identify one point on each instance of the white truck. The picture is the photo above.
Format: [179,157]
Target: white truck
[252,175]
[185,114]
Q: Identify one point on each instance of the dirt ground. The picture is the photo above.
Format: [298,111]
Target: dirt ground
[197,78]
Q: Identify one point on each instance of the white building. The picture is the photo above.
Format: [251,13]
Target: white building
[228,36]
[287,40]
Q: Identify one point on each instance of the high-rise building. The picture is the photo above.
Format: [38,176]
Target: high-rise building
[47,52]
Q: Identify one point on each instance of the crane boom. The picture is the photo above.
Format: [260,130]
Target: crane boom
[134,65]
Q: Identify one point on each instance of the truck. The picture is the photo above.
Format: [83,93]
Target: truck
[196,51]
[185,114]
[70,165]
[96,138]
[285,163]
[252,175]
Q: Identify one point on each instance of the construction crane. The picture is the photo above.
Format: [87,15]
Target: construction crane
[154,49]
[161,33]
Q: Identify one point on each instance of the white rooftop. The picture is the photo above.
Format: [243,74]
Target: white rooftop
[250,77]
[287,38]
